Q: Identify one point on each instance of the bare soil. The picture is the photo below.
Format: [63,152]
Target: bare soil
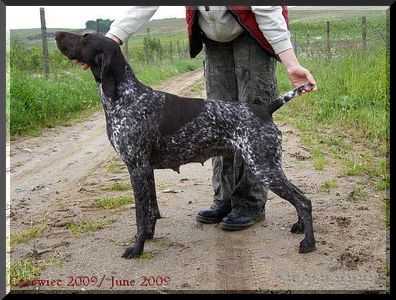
[56,178]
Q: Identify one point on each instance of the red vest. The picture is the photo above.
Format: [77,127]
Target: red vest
[245,17]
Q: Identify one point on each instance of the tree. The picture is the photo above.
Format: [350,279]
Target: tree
[103,25]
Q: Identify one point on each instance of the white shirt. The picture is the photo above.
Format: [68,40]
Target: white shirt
[217,23]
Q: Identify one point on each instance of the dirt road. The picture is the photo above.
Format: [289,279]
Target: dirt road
[57,177]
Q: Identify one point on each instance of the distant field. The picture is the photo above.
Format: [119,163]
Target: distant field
[178,25]
[315,13]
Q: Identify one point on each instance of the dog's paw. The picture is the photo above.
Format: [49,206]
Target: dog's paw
[297,228]
[307,246]
[132,252]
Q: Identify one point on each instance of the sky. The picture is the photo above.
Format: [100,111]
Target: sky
[18,17]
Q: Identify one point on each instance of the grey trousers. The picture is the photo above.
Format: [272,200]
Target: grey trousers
[238,71]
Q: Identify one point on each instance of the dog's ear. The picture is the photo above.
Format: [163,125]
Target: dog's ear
[96,68]
[107,77]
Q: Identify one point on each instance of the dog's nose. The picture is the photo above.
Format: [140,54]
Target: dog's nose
[59,35]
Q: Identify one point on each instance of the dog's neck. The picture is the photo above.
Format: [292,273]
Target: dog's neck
[130,85]
[129,88]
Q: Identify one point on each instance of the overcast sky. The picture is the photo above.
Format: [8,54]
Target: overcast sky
[75,16]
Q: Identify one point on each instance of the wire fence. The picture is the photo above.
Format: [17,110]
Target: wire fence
[154,50]
[331,39]
[314,39]
[328,39]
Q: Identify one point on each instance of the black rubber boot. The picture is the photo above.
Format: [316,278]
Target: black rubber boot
[238,220]
[213,215]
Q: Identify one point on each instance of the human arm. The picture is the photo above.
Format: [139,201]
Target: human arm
[274,28]
[130,22]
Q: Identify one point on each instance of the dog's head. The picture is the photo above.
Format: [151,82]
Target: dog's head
[102,54]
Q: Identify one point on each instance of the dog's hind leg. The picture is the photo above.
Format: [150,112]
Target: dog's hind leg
[142,180]
[265,163]
[281,186]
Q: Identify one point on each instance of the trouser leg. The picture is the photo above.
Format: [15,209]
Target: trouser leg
[256,83]
[221,85]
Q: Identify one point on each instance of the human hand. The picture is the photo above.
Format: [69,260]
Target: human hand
[298,75]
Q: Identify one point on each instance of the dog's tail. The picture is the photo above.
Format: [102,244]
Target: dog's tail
[278,102]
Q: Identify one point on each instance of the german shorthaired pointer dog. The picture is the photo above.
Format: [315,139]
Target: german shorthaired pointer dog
[151,129]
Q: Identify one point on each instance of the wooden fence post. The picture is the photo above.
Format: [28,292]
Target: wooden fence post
[328,46]
[45,43]
[185,50]
[364,32]
[178,48]
[171,50]
[160,50]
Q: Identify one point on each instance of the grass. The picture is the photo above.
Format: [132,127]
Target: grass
[348,116]
[154,74]
[115,167]
[146,255]
[27,234]
[118,187]
[69,93]
[7,100]
[37,103]
[358,194]
[26,270]
[114,202]
[197,88]
[87,226]
[328,185]
[348,28]
[354,168]
[357,99]
[319,160]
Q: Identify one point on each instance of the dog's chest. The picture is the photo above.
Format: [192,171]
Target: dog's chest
[117,126]
[129,123]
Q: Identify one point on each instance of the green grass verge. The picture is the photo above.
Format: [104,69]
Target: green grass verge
[348,116]
[69,94]
[36,102]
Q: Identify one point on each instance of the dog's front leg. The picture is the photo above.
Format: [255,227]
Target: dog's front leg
[142,180]
[154,212]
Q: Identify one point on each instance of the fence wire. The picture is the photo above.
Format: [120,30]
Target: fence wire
[338,37]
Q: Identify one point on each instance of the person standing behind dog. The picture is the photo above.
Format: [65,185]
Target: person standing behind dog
[242,45]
